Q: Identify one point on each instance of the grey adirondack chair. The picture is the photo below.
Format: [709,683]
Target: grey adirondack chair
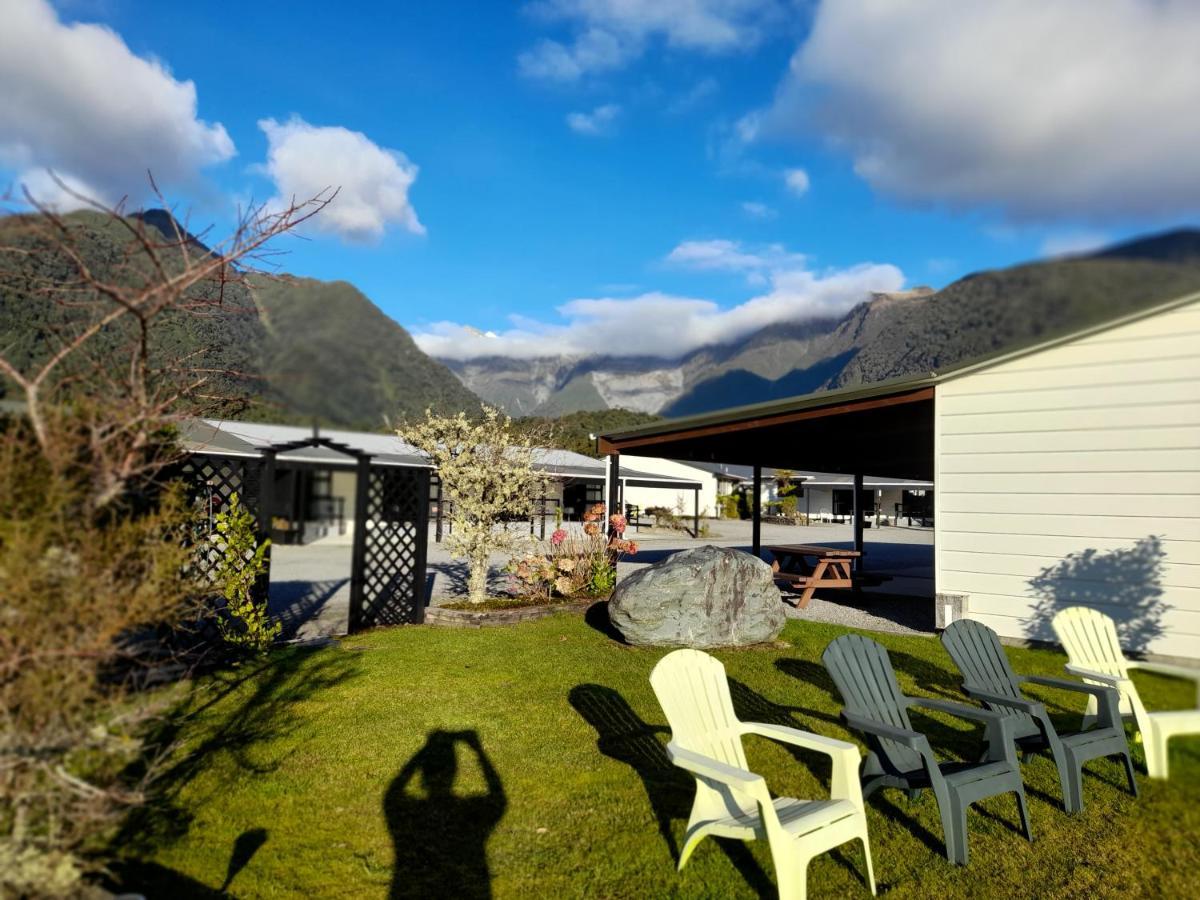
[900,757]
[989,678]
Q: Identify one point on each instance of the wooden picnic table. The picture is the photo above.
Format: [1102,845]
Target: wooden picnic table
[830,567]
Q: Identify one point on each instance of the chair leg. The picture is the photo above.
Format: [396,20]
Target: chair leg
[1128,760]
[690,843]
[954,828]
[791,875]
[1070,774]
[1023,809]
[1157,763]
[866,845]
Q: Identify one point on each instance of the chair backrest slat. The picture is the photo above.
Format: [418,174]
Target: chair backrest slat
[694,693]
[863,673]
[977,652]
[1090,639]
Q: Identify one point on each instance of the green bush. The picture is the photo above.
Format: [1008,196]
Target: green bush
[788,506]
[243,560]
[728,506]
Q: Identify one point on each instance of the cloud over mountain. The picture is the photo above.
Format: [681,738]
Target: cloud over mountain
[74,98]
[666,325]
[1072,109]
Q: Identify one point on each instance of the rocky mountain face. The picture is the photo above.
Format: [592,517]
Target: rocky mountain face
[888,335]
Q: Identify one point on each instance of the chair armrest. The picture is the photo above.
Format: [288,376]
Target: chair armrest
[1166,669]
[1031,707]
[707,767]
[913,740]
[955,709]
[1065,684]
[1113,681]
[844,756]
[806,739]
[997,737]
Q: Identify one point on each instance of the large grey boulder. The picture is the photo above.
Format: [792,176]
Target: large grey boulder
[707,597]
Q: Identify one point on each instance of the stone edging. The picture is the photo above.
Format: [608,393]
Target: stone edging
[469,618]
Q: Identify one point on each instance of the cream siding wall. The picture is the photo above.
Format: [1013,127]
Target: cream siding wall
[1084,457]
[670,497]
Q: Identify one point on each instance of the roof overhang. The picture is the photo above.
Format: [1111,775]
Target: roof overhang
[884,428]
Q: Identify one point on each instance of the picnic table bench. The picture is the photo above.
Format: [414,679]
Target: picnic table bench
[830,568]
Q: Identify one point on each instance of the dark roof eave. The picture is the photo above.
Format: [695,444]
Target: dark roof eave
[773,408]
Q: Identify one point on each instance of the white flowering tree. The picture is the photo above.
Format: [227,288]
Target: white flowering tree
[486,466]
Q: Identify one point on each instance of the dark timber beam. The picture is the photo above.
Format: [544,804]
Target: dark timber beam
[858,523]
[756,514]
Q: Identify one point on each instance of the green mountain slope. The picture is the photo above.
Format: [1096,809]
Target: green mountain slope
[333,354]
[302,349]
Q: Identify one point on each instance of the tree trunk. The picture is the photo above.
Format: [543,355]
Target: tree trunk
[477,578]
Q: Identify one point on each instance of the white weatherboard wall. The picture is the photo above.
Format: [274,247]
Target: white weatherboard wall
[1072,476]
[671,497]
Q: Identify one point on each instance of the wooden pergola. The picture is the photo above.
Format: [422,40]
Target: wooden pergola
[885,429]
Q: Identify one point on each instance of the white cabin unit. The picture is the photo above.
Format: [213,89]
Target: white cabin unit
[1071,475]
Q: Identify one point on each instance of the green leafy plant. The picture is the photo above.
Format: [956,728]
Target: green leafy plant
[243,559]
[727,505]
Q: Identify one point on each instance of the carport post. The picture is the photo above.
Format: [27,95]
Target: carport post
[858,525]
[696,513]
[614,486]
[358,555]
[756,513]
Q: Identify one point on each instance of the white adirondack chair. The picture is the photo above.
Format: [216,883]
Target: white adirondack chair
[1090,639]
[733,802]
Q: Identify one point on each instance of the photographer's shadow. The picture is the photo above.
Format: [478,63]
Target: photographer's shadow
[440,835]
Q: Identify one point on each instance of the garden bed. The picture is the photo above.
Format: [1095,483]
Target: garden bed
[463,614]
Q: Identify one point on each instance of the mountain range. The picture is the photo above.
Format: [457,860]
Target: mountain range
[308,350]
[887,335]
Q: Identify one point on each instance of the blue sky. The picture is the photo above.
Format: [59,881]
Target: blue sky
[538,161]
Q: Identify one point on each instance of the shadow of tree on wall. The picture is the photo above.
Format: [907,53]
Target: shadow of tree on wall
[1125,584]
[440,835]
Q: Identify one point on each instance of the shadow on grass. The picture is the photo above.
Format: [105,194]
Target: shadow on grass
[439,835]
[623,736]
[296,602]
[154,880]
[232,719]
[596,616]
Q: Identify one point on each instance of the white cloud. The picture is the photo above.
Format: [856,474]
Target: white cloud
[598,122]
[732,256]
[666,325]
[74,98]
[607,34]
[796,181]
[1073,243]
[1076,108]
[758,210]
[372,181]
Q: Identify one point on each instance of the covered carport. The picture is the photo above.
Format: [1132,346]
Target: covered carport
[886,428]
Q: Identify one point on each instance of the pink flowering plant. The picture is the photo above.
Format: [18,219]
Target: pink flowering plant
[573,564]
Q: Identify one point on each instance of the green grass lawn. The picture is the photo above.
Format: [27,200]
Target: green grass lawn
[529,761]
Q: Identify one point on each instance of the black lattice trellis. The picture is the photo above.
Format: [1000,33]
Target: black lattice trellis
[390,538]
[211,481]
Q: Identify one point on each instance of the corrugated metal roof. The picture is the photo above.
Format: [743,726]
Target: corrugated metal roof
[233,438]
